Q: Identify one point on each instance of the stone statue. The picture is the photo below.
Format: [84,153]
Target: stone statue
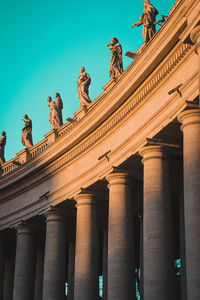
[2,146]
[83,83]
[27,132]
[55,115]
[116,65]
[148,20]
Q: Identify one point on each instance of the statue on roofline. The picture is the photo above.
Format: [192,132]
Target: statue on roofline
[148,20]
[2,146]
[27,132]
[83,84]
[116,65]
[55,114]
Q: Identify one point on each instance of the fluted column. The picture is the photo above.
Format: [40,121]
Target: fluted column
[39,275]
[24,264]
[71,266]
[54,261]
[190,120]
[1,268]
[120,238]
[195,37]
[158,267]
[86,285]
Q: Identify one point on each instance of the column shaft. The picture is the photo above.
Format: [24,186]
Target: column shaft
[141,288]
[157,227]
[24,264]
[8,279]
[105,264]
[86,285]
[39,275]
[1,268]
[182,252]
[190,120]
[121,283]
[54,262]
[71,266]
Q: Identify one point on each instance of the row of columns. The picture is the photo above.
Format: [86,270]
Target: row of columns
[118,267]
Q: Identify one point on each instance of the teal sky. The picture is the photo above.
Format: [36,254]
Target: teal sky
[44,44]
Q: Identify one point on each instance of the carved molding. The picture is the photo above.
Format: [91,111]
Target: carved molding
[195,38]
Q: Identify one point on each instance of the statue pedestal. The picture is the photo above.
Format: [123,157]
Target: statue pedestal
[51,136]
[80,113]
[108,86]
[23,156]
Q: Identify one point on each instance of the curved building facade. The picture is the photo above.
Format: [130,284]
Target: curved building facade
[115,193]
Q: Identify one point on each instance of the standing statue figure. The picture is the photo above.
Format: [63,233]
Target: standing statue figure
[83,83]
[55,115]
[27,132]
[148,20]
[116,65]
[2,146]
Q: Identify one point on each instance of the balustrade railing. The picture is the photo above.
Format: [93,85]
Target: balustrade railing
[9,166]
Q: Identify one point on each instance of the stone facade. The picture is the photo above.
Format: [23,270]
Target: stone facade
[115,193]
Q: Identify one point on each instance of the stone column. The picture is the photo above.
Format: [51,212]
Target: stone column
[8,279]
[141,288]
[71,266]
[190,120]
[105,264]
[39,275]
[158,275]
[195,37]
[182,250]
[121,284]
[1,268]
[54,261]
[24,264]
[86,285]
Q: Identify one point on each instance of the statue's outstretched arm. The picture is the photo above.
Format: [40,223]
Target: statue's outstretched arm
[137,24]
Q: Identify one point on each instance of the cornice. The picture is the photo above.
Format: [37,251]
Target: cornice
[147,88]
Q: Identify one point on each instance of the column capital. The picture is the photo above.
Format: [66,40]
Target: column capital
[152,152]
[195,38]
[24,228]
[54,214]
[85,197]
[117,176]
[189,117]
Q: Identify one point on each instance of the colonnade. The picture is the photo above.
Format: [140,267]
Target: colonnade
[41,275]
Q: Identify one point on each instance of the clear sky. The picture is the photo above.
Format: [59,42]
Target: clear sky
[44,44]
